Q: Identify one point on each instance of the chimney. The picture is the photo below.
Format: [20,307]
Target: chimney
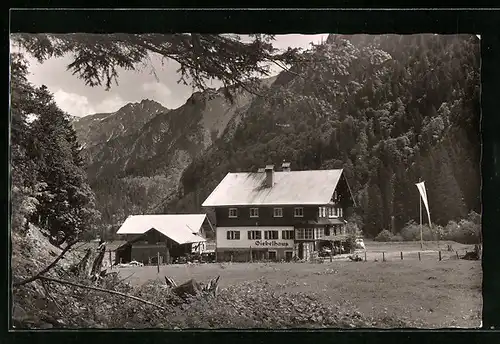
[285,167]
[269,176]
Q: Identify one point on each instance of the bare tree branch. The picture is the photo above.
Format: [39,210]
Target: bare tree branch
[55,280]
[46,269]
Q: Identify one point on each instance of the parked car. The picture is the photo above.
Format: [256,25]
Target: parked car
[325,252]
[360,244]
[181,260]
[130,264]
[135,263]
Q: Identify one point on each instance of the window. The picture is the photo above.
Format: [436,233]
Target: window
[233,212]
[323,211]
[233,235]
[271,235]
[340,212]
[309,234]
[333,212]
[272,255]
[278,212]
[327,231]
[299,212]
[287,235]
[299,233]
[305,233]
[254,212]
[319,233]
[254,235]
[330,212]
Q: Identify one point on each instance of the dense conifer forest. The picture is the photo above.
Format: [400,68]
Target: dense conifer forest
[390,110]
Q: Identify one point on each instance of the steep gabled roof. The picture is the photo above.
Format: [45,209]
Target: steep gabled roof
[110,245]
[181,228]
[289,188]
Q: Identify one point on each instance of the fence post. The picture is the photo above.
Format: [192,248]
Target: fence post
[439,255]
[419,258]
[383,256]
[158,261]
[365,256]
[401,255]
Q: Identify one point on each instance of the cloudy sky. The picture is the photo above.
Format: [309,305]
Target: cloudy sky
[74,97]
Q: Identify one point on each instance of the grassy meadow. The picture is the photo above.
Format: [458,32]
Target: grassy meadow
[395,293]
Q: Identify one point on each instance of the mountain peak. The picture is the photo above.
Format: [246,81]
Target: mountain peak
[143,104]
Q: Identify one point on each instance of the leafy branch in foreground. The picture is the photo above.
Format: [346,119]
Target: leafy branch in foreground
[97,57]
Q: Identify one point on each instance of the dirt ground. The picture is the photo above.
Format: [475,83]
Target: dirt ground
[443,293]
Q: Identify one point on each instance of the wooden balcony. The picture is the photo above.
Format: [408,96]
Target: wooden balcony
[338,237]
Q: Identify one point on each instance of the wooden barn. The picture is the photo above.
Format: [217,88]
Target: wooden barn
[165,236]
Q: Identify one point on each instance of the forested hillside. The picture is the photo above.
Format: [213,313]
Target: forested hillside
[391,110]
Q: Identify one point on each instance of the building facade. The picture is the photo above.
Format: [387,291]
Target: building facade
[272,215]
[149,238]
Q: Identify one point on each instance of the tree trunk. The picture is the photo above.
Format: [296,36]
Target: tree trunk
[80,269]
[96,266]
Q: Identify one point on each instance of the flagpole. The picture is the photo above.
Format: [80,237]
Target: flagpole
[420,208]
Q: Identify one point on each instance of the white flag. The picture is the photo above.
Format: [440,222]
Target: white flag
[423,194]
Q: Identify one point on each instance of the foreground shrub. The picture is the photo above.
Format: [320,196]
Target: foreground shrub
[411,232]
[467,231]
[252,304]
[259,304]
[384,236]
[397,238]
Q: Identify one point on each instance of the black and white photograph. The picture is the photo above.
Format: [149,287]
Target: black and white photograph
[245,181]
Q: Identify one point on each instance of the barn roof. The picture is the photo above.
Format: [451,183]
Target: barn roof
[181,228]
[289,188]
[110,245]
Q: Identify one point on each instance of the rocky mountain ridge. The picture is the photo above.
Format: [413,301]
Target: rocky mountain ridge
[146,140]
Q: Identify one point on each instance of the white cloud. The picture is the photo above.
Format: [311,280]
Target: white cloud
[78,105]
[110,104]
[156,91]
[72,103]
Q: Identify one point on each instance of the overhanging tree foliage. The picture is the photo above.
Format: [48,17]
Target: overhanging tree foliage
[97,57]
